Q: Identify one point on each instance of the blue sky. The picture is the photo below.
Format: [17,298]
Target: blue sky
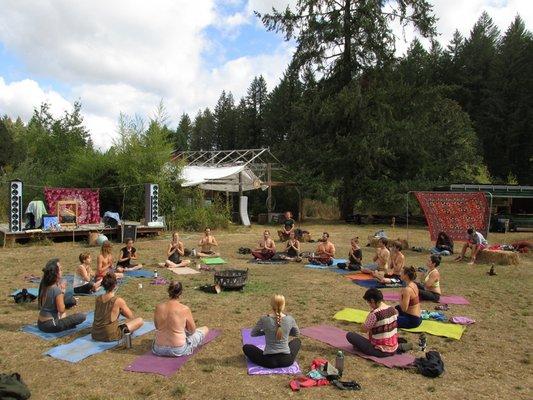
[127,55]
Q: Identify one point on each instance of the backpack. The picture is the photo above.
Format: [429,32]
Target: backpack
[432,366]
[12,387]
[24,297]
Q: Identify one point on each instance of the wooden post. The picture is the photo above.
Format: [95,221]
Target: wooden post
[269,198]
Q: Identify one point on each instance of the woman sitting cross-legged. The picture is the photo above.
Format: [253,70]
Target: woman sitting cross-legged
[409,307]
[266,249]
[53,302]
[84,277]
[276,327]
[381,326]
[430,289]
[292,249]
[175,251]
[395,267]
[107,309]
[176,332]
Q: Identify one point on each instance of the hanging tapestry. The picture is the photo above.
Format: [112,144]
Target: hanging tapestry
[88,202]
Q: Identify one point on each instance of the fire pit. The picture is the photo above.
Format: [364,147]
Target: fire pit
[231,278]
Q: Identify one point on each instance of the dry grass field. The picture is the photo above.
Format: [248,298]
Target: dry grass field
[491,361]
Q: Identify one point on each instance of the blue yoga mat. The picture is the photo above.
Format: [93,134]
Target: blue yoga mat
[140,273]
[85,346]
[332,266]
[373,284]
[51,336]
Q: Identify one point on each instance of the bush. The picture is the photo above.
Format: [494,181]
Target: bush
[192,218]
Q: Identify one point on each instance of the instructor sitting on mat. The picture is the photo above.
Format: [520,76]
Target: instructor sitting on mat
[381,326]
[276,327]
[409,307]
[107,309]
[430,289]
[266,249]
[175,251]
[325,252]
[53,302]
[176,333]
[287,228]
[206,243]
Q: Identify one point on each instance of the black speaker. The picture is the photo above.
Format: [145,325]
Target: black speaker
[15,206]
[151,202]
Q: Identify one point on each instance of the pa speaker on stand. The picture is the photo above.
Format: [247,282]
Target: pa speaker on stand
[151,202]
[15,206]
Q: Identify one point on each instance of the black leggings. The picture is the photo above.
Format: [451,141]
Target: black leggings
[363,345]
[255,354]
[63,324]
[85,289]
[427,295]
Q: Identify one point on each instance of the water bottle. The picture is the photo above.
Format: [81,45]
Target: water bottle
[422,342]
[127,340]
[155,273]
[339,362]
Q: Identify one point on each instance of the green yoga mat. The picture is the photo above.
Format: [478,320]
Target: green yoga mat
[213,260]
[435,328]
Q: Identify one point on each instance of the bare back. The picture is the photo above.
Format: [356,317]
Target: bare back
[171,323]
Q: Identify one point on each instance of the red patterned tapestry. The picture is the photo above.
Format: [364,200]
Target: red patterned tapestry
[454,213]
[88,202]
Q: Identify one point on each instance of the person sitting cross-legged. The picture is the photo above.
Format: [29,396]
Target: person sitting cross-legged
[207,243]
[381,259]
[325,252]
[276,327]
[175,251]
[395,267]
[430,289]
[176,332]
[355,255]
[292,249]
[266,249]
[287,228]
[107,327]
[126,258]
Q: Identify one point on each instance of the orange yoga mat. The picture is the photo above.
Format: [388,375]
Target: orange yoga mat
[359,277]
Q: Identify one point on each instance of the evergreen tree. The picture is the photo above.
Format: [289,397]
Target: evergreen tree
[225,122]
[183,134]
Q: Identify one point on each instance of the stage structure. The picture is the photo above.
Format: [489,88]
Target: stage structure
[234,171]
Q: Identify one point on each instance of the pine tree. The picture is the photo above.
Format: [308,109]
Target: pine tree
[183,134]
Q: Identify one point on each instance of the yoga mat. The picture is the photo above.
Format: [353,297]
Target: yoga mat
[360,277]
[435,328]
[139,273]
[184,271]
[51,336]
[268,262]
[254,369]
[213,260]
[450,299]
[166,366]
[337,338]
[85,346]
[332,266]
[373,284]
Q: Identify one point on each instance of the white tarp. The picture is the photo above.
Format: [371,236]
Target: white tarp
[224,179]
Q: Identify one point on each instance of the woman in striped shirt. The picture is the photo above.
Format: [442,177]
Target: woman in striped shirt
[381,326]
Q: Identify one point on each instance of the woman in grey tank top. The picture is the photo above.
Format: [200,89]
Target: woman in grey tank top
[276,327]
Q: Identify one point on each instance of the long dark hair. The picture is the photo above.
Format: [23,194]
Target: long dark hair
[50,277]
[447,240]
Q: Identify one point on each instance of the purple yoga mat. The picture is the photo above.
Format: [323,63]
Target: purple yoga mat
[254,369]
[166,366]
[451,299]
[337,338]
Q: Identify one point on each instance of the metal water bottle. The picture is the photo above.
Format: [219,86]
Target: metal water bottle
[155,273]
[127,340]
[339,362]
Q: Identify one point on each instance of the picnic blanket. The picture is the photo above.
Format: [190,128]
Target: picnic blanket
[435,328]
[336,337]
[166,366]
[332,266]
[213,260]
[85,346]
[450,299]
[34,330]
[254,369]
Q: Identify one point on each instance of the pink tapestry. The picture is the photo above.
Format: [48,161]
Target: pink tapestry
[454,213]
[88,202]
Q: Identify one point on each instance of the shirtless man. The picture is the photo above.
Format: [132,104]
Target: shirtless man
[266,249]
[393,274]
[176,333]
[206,243]
[381,259]
[325,252]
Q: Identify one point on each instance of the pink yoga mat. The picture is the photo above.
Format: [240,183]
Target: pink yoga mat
[337,338]
[451,299]
[166,366]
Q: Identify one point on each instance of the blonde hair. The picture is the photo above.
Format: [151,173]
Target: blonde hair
[278,305]
[174,234]
[107,247]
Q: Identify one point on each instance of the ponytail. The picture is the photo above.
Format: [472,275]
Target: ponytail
[278,305]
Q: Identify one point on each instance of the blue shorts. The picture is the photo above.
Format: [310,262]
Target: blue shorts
[192,342]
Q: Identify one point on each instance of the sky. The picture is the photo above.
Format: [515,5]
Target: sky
[126,56]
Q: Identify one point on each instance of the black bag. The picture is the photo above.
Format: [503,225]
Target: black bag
[12,387]
[432,366]
[24,297]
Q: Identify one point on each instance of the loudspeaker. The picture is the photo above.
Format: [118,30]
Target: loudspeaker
[15,206]
[151,202]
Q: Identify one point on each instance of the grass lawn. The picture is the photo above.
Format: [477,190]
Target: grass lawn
[491,361]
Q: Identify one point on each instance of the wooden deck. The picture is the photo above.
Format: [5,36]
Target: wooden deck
[80,232]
